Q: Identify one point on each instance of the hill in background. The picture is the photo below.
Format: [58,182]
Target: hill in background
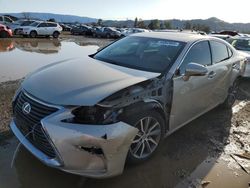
[57,17]
[213,23]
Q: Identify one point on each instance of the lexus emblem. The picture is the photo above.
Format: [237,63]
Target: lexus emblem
[26,108]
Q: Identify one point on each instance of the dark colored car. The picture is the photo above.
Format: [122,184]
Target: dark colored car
[65,27]
[5,31]
[231,33]
[81,30]
[106,32]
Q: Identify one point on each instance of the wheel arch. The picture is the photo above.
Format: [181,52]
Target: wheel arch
[146,105]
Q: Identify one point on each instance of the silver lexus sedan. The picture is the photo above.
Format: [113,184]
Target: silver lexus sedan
[89,116]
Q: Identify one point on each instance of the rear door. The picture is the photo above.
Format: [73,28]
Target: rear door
[223,66]
[42,29]
[51,28]
[199,94]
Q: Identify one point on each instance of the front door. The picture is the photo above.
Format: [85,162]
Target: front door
[193,96]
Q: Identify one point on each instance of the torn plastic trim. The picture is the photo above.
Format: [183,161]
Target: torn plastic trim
[149,89]
[114,140]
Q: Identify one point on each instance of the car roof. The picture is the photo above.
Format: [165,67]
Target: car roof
[176,36]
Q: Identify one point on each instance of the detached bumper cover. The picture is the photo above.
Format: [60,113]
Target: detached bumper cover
[73,144]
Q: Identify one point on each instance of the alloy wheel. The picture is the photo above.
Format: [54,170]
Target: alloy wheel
[147,138]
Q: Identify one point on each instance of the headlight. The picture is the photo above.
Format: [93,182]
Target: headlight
[95,115]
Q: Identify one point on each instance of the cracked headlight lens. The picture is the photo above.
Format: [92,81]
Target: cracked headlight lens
[95,115]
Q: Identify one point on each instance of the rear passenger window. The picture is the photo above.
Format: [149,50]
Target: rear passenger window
[219,51]
[199,53]
[43,25]
[51,24]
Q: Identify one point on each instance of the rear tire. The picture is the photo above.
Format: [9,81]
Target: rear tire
[56,34]
[149,138]
[108,36]
[232,95]
[33,34]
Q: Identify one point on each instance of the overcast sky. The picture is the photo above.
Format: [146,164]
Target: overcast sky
[230,11]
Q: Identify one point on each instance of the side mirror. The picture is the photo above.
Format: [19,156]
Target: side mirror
[195,69]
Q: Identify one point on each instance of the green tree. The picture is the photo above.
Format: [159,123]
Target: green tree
[136,22]
[154,24]
[187,25]
[141,24]
[167,25]
[201,27]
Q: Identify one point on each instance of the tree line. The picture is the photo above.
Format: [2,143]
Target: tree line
[157,24]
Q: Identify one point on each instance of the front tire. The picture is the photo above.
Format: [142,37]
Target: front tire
[151,132]
[33,34]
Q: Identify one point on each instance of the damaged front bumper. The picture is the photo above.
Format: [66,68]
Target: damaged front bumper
[97,151]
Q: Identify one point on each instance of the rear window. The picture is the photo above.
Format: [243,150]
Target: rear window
[219,51]
[148,54]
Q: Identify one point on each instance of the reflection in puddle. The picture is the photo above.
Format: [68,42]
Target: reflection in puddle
[21,57]
[6,45]
[42,46]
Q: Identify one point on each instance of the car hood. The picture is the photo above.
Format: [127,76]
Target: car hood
[81,81]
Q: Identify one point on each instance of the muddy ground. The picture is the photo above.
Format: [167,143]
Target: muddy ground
[212,151]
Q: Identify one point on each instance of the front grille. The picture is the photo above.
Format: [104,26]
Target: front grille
[30,123]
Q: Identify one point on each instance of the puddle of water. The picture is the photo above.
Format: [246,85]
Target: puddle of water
[20,57]
[218,176]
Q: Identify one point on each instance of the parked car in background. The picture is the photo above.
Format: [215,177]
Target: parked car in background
[65,27]
[5,31]
[5,20]
[106,32]
[81,30]
[18,27]
[231,33]
[122,101]
[130,31]
[224,37]
[242,44]
[42,28]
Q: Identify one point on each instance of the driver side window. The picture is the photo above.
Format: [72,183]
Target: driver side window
[199,53]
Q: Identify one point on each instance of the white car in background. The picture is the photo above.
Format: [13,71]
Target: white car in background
[42,28]
[130,31]
[242,44]
[5,20]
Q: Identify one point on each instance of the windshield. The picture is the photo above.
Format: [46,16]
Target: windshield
[241,44]
[34,24]
[148,54]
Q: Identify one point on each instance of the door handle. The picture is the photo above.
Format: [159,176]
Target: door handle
[211,74]
[235,66]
